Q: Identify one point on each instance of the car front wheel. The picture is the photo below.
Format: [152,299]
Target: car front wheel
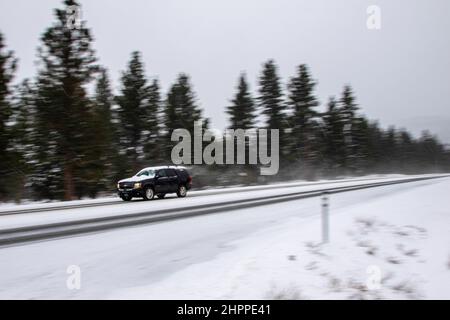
[148,194]
[182,191]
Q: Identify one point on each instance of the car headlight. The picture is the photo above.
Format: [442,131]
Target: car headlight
[118,186]
[137,185]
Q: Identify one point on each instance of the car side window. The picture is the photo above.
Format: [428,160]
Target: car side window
[162,173]
[142,173]
[171,173]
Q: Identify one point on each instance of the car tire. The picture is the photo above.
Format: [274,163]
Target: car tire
[126,198]
[181,191]
[149,194]
[161,195]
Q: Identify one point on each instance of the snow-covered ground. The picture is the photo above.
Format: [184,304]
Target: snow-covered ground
[401,231]
[394,247]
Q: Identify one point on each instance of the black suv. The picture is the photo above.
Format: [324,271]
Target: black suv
[157,181]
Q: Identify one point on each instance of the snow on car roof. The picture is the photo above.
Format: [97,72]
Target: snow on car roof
[164,167]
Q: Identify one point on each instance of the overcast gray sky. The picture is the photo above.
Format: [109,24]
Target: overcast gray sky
[400,73]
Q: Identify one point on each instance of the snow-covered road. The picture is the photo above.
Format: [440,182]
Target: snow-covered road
[115,262]
[195,198]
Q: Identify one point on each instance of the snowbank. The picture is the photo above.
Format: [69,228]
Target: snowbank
[389,247]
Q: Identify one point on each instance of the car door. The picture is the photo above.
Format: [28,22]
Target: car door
[161,183]
[172,182]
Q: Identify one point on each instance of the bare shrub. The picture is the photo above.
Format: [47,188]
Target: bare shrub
[289,293]
[406,288]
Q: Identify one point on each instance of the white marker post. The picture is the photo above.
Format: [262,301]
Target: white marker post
[325,218]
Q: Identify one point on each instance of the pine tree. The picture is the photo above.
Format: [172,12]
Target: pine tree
[152,133]
[302,101]
[349,106]
[68,66]
[133,113]
[242,116]
[406,150]
[375,147]
[270,101]
[430,152]
[23,138]
[7,69]
[181,111]
[181,108]
[333,137]
[271,96]
[361,137]
[242,111]
[102,154]
[348,110]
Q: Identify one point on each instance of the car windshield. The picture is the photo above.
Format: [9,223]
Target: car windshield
[148,173]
